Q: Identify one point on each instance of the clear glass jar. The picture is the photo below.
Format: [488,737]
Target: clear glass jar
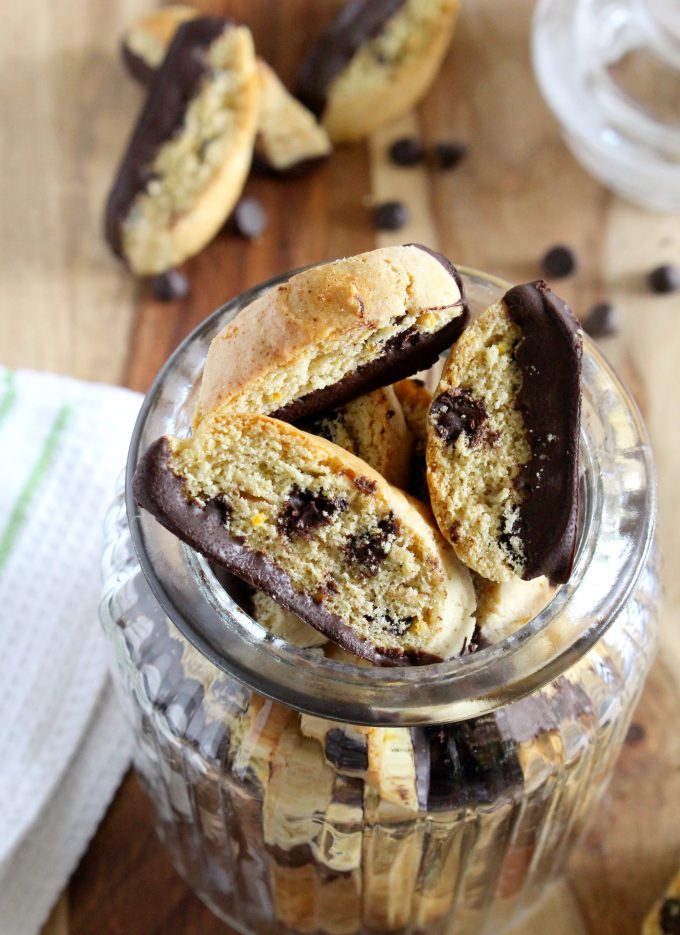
[300,794]
[610,72]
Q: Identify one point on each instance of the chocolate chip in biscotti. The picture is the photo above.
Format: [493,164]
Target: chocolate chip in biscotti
[510,507]
[385,315]
[369,549]
[374,62]
[669,917]
[390,215]
[455,413]
[559,261]
[170,286]
[407,151]
[190,151]
[305,510]
[407,600]
[249,218]
[664,279]
[348,752]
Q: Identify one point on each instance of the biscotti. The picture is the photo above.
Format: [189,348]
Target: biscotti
[190,152]
[503,439]
[374,62]
[334,332]
[318,530]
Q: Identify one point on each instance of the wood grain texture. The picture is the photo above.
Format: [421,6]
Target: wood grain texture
[69,307]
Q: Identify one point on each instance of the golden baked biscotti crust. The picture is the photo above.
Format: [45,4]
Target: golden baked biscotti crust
[334,332]
[375,61]
[318,530]
[191,150]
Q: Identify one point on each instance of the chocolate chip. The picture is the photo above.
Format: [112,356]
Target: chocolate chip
[669,917]
[407,151]
[390,215]
[365,484]
[305,510]
[170,286]
[249,218]
[345,752]
[635,734]
[559,261]
[369,549]
[454,412]
[664,279]
[396,626]
[448,154]
[601,320]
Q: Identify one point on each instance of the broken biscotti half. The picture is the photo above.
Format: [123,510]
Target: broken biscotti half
[334,332]
[190,152]
[318,530]
[375,61]
[502,455]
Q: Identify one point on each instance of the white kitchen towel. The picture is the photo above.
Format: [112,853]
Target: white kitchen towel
[63,746]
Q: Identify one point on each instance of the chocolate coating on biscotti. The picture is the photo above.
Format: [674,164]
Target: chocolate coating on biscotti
[549,357]
[173,86]
[403,355]
[354,25]
[136,65]
[160,491]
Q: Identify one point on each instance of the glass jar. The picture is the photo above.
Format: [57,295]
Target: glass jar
[300,794]
[610,72]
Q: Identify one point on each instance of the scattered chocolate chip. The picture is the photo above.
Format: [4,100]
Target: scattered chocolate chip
[364,484]
[601,320]
[559,261]
[453,413]
[664,279]
[369,549]
[669,916]
[417,381]
[305,510]
[448,155]
[390,414]
[345,752]
[249,218]
[170,286]
[635,734]
[390,215]
[407,151]
[398,627]
[454,531]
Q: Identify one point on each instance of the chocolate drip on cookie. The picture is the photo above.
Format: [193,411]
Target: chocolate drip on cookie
[171,89]
[162,492]
[549,358]
[357,23]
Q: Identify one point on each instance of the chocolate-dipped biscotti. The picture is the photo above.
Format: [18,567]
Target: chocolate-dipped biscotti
[502,453]
[333,333]
[191,149]
[318,530]
[374,62]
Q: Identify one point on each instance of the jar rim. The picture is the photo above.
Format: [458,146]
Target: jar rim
[615,535]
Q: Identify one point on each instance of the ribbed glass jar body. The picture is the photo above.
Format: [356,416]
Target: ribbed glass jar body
[285,822]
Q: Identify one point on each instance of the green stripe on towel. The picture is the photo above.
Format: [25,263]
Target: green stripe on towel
[8,394]
[38,473]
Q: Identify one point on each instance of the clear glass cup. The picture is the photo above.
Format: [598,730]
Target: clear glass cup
[610,71]
[300,794]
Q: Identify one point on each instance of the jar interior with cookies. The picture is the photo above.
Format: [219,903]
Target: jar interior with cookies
[395,777]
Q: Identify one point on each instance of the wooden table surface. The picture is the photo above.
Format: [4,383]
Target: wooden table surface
[66,109]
